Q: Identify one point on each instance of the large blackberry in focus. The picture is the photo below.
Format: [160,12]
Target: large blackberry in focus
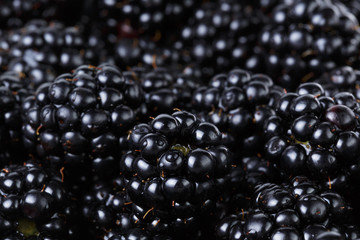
[317,136]
[13,91]
[35,204]
[177,170]
[298,210]
[80,121]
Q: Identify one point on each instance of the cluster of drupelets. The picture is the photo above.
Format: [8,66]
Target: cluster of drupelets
[184,119]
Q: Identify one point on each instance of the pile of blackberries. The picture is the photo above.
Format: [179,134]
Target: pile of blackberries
[184,119]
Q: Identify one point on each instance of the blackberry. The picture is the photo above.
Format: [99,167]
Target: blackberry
[176,170]
[316,135]
[305,39]
[81,119]
[297,210]
[35,204]
[108,209]
[221,35]
[239,103]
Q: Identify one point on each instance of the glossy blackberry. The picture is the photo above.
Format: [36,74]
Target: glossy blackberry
[80,120]
[302,40]
[13,92]
[315,135]
[35,204]
[176,170]
[221,35]
[238,103]
[297,210]
[108,210]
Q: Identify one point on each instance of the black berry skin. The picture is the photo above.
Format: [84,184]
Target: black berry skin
[223,165]
[317,136]
[35,203]
[294,210]
[297,42]
[239,103]
[80,121]
[174,170]
[221,35]
[106,208]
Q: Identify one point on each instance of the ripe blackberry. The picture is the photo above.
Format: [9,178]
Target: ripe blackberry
[108,210]
[302,40]
[238,103]
[316,135]
[176,170]
[13,91]
[220,35]
[298,210]
[35,204]
[81,119]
